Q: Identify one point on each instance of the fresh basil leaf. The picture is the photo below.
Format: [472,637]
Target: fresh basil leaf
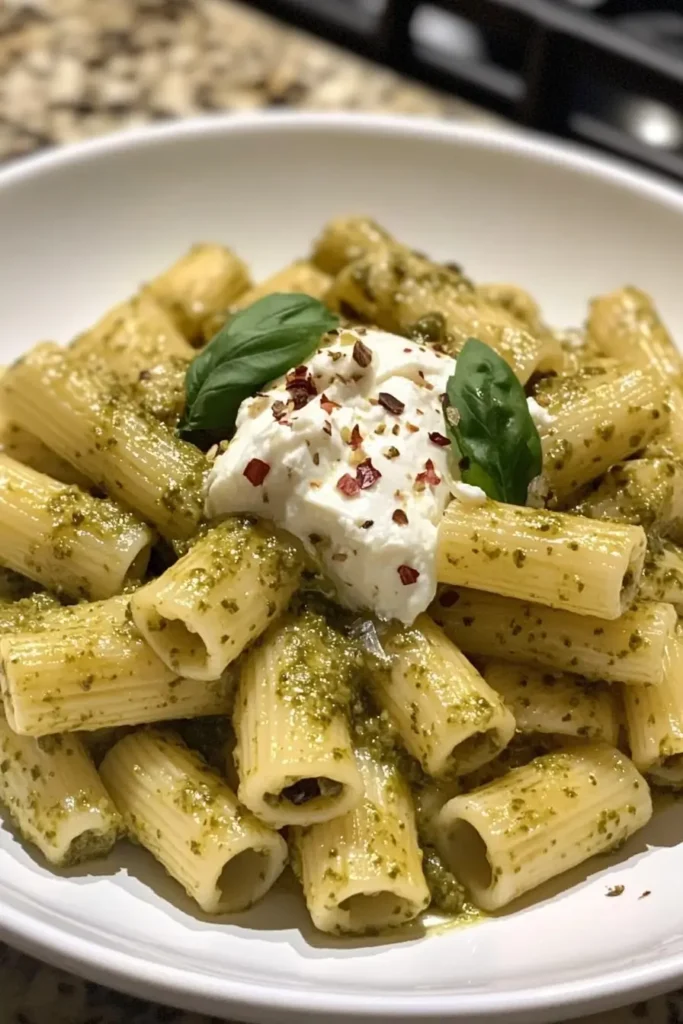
[488,421]
[254,347]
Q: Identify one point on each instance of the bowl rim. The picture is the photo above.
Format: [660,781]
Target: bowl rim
[30,932]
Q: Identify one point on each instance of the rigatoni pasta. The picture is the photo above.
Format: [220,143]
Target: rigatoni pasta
[447,716]
[541,820]
[629,649]
[602,415]
[90,671]
[202,612]
[56,798]
[404,293]
[62,537]
[132,337]
[294,753]
[190,820]
[362,872]
[555,703]
[590,568]
[131,456]
[654,720]
[202,283]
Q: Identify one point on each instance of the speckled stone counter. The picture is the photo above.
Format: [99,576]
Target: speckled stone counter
[71,69]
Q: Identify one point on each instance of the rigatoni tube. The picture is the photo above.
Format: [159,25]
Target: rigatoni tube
[629,649]
[132,337]
[645,492]
[202,283]
[62,537]
[56,798]
[625,324]
[202,612]
[407,294]
[93,671]
[362,872]
[542,819]
[555,703]
[346,239]
[190,820]
[134,458]
[446,714]
[300,277]
[555,559]
[600,416]
[654,720]
[294,754]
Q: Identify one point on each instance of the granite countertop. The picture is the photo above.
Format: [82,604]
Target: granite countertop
[71,69]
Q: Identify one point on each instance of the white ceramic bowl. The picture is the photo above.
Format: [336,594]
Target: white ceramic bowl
[79,229]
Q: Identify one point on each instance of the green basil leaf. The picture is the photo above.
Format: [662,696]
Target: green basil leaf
[253,348]
[488,421]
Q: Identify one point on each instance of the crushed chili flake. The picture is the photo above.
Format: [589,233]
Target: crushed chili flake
[408,575]
[367,524]
[429,476]
[328,405]
[391,404]
[301,386]
[366,475]
[399,517]
[327,427]
[362,354]
[256,472]
[407,350]
[348,485]
[356,438]
[412,428]
[436,438]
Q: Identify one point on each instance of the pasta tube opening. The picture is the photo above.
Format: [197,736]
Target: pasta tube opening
[446,714]
[294,753]
[203,611]
[190,820]
[540,820]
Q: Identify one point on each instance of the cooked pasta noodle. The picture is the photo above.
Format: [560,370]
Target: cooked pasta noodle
[190,820]
[542,819]
[629,649]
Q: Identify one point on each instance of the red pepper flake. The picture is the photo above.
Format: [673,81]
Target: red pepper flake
[366,475]
[367,524]
[391,404]
[408,575]
[256,472]
[400,518]
[430,476]
[301,386]
[412,428]
[327,427]
[407,350]
[356,438]
[328,405]
[436,438]
[348,485]
[362,354]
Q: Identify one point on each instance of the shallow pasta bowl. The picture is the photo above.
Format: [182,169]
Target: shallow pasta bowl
[79,229]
